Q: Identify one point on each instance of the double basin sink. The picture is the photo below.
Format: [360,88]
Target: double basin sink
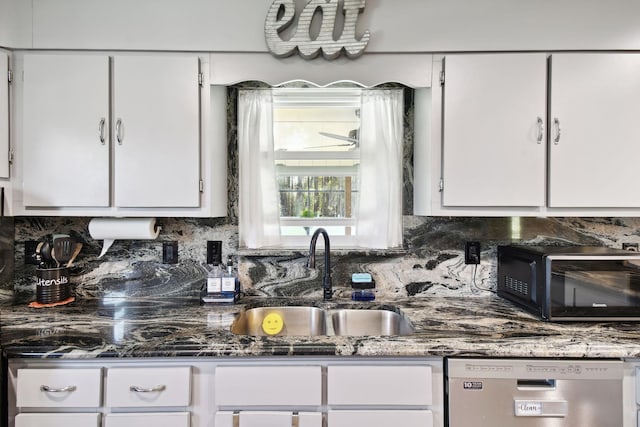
[314,321]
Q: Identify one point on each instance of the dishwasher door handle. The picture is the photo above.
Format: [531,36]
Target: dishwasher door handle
[540,408]
[529,384]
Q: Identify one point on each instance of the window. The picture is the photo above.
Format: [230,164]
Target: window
[326,158]
[317,156]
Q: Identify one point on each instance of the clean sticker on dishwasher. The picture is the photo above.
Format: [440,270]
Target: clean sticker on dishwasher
[472,385]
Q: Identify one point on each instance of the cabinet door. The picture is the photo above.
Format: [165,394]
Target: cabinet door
[268,419]
[417,418]
[379,385]
[4,116]
[167,419]
[237,386]
[594,149]
[57,420]
[156,131]
[59,388]
[494,149]
[148,387]
[65,130]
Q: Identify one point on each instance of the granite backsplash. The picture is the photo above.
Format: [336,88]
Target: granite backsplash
[431,262]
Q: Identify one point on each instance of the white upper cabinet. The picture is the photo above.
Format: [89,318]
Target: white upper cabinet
[595,138]
[494,145]
[66,130]
[4,115]
[120,133]
[531,134]
[156,131]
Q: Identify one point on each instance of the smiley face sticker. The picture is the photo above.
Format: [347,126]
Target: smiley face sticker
[272,324]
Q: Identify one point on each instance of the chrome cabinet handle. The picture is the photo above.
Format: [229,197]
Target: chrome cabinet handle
[101,130]
[119,135]
[540,130]
[67,389]
[556,123]
[148,390]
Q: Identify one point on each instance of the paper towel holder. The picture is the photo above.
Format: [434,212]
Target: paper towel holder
[112,229]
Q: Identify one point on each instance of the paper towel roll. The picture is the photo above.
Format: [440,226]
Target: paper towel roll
[111,229]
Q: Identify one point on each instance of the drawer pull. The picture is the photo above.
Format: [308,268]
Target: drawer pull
[148,390]
[67,389]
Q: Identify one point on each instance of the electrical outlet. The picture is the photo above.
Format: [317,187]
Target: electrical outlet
[472,253]
[170,252]
[630,247]
[214,252]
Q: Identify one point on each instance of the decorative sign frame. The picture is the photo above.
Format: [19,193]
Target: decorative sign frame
[281,15]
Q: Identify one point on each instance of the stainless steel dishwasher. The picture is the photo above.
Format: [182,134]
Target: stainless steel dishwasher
[534,392]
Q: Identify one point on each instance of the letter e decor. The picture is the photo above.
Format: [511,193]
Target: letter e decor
[281,15]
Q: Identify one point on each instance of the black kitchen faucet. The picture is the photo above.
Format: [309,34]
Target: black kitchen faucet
[327,290]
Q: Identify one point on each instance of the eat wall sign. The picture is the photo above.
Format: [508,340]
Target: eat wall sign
[282,13]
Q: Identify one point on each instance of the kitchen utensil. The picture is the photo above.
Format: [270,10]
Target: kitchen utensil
[63,247]
[53,257]
[75,253]
[45,253]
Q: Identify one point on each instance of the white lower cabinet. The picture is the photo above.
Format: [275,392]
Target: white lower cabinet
[227,392]
[51,389]
[268,419]
[268,386]
[99,393]
[381,395]
[386,418]
[57,420]
[379,385]
[56,388]
[181,419]
[148,387]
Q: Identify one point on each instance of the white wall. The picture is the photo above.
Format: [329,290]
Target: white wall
[396,26]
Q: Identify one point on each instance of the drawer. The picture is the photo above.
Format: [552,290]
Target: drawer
[169,419]
[380,418]
[268,419]
[148,387]
[57,420]
[379,385]
[71,388]
[268,385]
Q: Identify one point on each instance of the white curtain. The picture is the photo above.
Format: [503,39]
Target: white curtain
[259,211]
[379,218]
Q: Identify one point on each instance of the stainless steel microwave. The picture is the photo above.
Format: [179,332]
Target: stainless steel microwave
[580,283]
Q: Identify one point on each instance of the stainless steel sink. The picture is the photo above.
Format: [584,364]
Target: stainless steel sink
[360,322]
[314,321]
[281,321]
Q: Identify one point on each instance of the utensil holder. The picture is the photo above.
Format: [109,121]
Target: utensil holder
[52,285]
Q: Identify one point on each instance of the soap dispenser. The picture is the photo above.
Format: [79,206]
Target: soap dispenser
[230,283]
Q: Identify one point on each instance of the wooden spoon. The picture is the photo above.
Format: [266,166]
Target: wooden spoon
[75,253]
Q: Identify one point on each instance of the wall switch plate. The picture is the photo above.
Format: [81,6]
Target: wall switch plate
[30,252]
[214,252]
[170,252]
[472,253]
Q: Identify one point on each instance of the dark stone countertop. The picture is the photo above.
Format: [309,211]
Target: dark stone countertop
[445,326]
